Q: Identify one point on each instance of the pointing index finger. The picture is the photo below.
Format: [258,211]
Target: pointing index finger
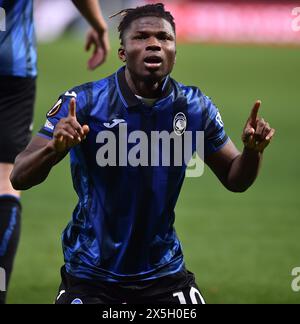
[254,112]
[72,108]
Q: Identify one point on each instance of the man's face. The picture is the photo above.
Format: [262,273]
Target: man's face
[149,48]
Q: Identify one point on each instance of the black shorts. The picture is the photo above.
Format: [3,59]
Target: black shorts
[17,96]
[176,289]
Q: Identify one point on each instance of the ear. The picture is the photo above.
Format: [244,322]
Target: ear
[122,54]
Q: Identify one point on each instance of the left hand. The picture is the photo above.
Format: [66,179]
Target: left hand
[100,41]
[257,133]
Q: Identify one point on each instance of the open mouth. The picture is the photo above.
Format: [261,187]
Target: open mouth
[153,62]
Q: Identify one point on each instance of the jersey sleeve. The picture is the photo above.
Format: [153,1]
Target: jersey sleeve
[215,136]
[61,110]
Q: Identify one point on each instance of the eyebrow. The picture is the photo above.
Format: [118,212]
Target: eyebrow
[156,33]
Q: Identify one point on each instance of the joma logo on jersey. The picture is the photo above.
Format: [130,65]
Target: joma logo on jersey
[114,123]
[296,20]
[2,20]
[2,280]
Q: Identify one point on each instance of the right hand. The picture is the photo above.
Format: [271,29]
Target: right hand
[68,132]
[99,40]
[257,133]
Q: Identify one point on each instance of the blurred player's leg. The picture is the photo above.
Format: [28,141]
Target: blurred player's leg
[10,212]
[16,111]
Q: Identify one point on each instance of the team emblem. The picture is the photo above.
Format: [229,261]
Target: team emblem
[180,124]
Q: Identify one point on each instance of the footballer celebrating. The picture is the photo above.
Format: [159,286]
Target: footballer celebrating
[121,245]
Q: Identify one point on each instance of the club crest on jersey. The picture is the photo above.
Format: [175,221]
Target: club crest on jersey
[55,109]
[180,124]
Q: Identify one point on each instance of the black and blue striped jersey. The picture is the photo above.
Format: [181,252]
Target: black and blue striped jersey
[122,228]
[18,53]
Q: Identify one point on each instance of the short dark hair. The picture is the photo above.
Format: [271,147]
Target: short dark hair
[151,10]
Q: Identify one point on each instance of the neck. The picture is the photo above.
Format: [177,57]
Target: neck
[144,88]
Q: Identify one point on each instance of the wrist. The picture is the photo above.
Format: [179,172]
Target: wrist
[50,147]
[251,152]
[53,152]
[100,26]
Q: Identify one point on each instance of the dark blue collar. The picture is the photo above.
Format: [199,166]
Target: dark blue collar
[128,97]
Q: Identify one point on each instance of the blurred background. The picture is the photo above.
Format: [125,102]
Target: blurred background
[242,247]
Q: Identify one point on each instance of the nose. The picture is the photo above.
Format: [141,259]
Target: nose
[153,48]
[153,45]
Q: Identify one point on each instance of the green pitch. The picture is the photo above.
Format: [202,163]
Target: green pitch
[242,247]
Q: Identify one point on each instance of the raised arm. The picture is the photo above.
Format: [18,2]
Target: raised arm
[238,171]
[33,165]
[97,36]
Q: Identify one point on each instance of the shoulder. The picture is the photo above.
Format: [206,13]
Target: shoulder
[194,97]
[190,92]
[88,90]
[85,94]
[199,104]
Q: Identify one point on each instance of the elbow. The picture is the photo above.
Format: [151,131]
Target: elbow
[238,185]
[235,188]
[18,186]
[15,184]
[22,181]
[16,181]
[238,190]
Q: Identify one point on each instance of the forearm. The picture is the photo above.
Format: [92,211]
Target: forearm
[91,10]
[32,168]
[244,170]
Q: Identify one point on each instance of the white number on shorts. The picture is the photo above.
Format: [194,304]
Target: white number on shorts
[181,297]
[194,293]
